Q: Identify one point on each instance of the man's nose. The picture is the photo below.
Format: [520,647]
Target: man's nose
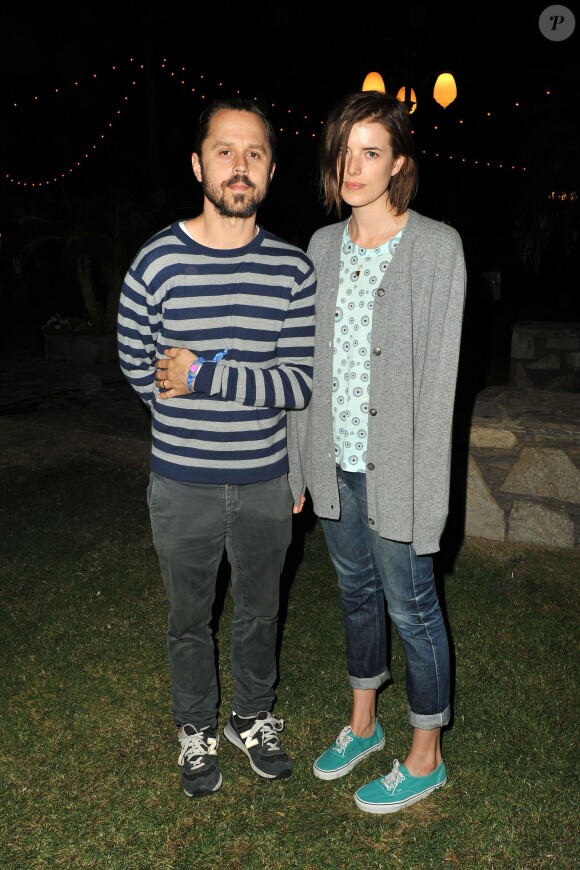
[241,166]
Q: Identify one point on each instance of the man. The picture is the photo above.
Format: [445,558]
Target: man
[215,333]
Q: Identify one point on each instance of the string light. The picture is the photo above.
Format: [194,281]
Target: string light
[489,164]
[182,77]
[101,136]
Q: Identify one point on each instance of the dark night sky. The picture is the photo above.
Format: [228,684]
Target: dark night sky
[313,49]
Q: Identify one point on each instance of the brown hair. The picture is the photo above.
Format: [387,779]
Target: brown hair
[237,104]
[381,109]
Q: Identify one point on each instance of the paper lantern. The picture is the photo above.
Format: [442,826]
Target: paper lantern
[374,82]
[412,98]
[445,90]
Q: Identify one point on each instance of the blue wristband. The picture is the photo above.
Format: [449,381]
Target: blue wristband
[197,364]
[194,371]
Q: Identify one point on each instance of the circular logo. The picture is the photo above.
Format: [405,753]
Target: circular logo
[557,23]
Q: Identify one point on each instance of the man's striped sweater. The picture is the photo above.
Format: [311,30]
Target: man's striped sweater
[258,303]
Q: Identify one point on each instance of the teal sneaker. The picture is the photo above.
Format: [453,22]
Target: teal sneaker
[398,789]
[346,751]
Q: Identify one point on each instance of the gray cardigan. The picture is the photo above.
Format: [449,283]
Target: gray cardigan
[416,332]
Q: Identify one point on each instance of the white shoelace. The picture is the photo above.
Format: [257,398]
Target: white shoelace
[196,744]
[392,779]
[344,738]
[269,728]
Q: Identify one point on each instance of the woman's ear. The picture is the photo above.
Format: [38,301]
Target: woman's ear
[398,164]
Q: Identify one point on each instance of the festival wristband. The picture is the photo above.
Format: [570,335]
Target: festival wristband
[194,371]
[197,364]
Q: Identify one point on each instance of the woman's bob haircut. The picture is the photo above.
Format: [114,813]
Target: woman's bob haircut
[377,108]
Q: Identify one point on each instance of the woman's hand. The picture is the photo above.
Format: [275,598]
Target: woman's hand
[298,507]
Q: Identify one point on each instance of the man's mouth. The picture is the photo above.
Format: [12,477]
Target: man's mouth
[240,182]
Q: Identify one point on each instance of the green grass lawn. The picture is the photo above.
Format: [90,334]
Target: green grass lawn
[88,764]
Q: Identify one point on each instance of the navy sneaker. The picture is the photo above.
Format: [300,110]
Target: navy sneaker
[258,738]
[200,773]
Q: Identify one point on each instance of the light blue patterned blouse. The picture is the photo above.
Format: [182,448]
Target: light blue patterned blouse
[361,272]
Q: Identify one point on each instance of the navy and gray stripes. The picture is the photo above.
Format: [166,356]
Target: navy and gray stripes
[256,301]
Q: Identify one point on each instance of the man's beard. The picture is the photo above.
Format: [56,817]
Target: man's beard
[245,205]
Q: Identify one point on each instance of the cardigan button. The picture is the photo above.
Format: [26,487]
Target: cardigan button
[380,291]
[371,521]
[373,412]
[371,466]
[377,351]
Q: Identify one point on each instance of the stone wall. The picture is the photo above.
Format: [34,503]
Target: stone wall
[545,355]
[523,467]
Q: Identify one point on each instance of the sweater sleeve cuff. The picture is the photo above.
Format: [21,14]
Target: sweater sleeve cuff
[428,542]
[204,378]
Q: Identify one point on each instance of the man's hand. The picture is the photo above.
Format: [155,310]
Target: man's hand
[171,374]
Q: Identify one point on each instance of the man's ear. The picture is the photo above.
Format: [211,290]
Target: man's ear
[196,163]
[272,170]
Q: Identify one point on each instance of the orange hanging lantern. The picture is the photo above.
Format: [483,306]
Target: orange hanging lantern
[412,100]
[445,90]
[374,82]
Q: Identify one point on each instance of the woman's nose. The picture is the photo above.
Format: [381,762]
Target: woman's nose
[352,166]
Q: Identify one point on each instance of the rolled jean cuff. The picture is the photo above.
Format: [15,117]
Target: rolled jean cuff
[432,720]
[369,682]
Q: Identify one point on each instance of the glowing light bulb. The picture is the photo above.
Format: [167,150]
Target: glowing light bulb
[374,82]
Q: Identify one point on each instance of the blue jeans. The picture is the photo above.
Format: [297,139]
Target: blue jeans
[370,569]
[192,524]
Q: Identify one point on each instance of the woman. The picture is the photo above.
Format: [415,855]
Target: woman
[375,442]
